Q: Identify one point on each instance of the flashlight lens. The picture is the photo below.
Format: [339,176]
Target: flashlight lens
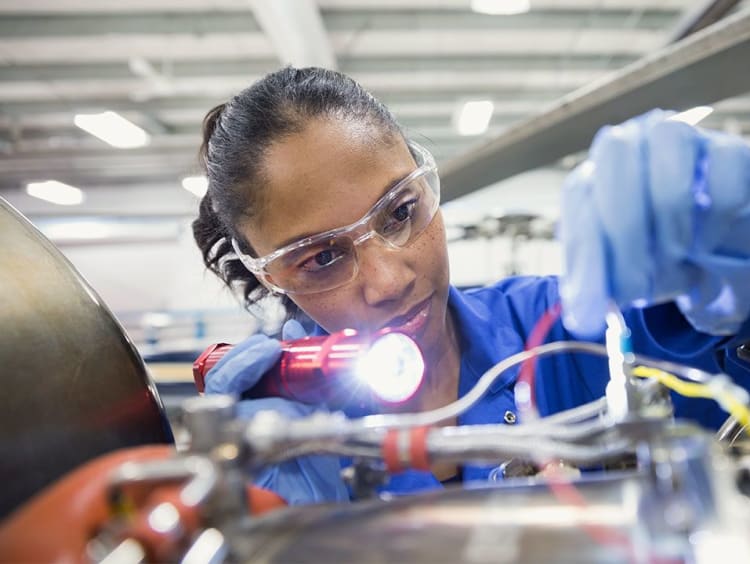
[392,367]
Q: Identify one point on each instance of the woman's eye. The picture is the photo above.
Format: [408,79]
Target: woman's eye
[400,215]
[322,259]
[402,212]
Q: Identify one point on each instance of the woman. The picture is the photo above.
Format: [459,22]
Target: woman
[316,194]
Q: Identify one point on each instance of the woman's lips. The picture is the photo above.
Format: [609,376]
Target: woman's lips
[413,321]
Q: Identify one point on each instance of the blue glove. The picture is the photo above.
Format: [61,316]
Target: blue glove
[660,211]
[307,479]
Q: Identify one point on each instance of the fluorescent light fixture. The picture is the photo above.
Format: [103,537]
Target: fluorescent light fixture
[198,185]
[473,118]
[55,192]
[693,115]
[114,129]
[76,230]
[73,230]
[501,7]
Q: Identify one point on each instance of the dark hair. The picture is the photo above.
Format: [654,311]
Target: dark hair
[236,136]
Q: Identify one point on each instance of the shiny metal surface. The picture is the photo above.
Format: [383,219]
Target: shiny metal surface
[74,387]
[731,431]
[524,523]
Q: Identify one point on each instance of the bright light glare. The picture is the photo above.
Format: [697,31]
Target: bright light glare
[114,129]
[501,7]
[693,115]
[197,185]
[473,118]
[392,367]
[55,192]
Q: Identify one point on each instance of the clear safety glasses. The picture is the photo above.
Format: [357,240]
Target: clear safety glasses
[327,260]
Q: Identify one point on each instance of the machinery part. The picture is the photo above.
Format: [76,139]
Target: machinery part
[74,387]
[516,522]
[81,504]
[203,419]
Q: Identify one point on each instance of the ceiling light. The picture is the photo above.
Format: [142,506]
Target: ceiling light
[55,192]
[76,230]
[114,129]
[693,115]
[198,185]
[501,7]
[473,118]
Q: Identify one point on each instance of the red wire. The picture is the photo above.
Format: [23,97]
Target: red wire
[563,490]
[526,374]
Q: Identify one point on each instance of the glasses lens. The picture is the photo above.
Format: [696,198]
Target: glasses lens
[314,268]
[410,212]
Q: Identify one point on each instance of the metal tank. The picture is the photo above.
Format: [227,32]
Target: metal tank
[485,525]
[73,385]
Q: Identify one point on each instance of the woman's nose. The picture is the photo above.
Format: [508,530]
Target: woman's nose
[384,273]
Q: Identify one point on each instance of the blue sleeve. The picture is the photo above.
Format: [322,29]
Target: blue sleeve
[565,381]
[663,332]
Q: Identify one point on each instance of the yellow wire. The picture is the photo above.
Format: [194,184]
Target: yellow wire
[727,401]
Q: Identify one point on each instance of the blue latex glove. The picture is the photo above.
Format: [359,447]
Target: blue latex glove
[307,479]
[660,211]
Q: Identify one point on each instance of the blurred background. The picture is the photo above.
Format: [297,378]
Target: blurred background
[101,103]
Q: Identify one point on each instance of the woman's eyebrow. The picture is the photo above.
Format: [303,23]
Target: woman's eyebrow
[393,183]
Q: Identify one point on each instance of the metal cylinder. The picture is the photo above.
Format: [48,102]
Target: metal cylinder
[74,386]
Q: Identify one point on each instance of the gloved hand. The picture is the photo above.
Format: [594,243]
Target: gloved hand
[307,479]
[660,211]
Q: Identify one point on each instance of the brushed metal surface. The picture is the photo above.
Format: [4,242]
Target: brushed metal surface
[73,385]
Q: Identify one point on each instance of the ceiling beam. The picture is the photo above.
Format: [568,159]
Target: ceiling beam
[254,66]
[165,23]
[708,66]
[379,83]
[295,29]
[205,103]
[118,6]
[705,14]
[654,17]
[405,5]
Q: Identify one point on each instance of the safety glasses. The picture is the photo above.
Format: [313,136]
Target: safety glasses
[328,260]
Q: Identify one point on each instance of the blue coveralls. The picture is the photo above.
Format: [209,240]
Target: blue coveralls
[494,323]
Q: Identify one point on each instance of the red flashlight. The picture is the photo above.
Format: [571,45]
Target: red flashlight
[342,369]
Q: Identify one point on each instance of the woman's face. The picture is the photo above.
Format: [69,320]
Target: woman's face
[329,176]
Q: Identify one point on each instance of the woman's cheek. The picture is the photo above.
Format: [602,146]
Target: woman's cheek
[332,312]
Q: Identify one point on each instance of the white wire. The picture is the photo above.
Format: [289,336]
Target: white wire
[451,410]
[435,416]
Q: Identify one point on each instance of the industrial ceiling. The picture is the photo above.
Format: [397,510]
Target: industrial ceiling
[163,63]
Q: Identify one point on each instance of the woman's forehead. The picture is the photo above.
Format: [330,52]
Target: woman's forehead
[325,177]
[331,150]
